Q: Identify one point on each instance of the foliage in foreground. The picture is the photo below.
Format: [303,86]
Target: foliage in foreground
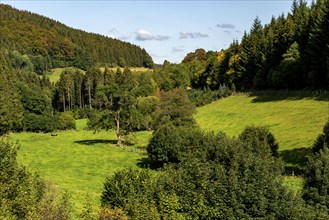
[24,195]
[316,188]
[322,140]
[214,178]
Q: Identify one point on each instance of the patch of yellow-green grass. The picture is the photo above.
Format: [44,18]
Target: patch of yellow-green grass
[55,73]
[132,69]
[79,161]
[294,122]
[81,124]
[293,183]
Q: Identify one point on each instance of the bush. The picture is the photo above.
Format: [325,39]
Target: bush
[112,214]
[20,190]
[316,187]
[124,185]
[322,140]
[216,178]
[260,140]
[24,195]
[172,144]
[55,204]
[175,107]
[130,190]
[202,97]
[39,123]
[66,121]
[82,113]
[165,144]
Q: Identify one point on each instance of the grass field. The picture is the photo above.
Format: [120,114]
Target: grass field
[295,121]
[78,161]
[56,73]
[132,69]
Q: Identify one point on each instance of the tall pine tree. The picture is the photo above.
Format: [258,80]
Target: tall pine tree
[319,47]
[10,106]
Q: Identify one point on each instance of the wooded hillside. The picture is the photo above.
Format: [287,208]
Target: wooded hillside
[57,45]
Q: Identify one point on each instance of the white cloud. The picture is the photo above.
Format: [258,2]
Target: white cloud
[226,26]
[184,35]
[177,49]
[142,35]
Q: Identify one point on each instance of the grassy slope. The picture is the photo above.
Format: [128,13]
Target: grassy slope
[78,161]
[56,73]
[294,122]
[132,69]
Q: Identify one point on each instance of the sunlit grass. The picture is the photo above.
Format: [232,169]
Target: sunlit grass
[294,123]
[78,161]
[132,69]
[55,73]
[294,183]
[81,123]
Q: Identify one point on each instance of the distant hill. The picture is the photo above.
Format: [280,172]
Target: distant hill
[59,45]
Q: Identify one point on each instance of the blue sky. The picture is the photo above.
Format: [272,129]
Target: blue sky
[168,30]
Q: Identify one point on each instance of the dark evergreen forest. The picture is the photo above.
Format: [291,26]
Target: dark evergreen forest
[50,44]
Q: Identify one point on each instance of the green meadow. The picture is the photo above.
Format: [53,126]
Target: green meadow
[132,69]
[294,120]
[79,161]
[55,74]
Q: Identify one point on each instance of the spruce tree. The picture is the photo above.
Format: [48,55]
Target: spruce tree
[10,105]
[316,187]
[319,47]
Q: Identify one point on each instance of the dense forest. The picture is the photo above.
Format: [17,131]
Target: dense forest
[50,44]
[200,175]
[291,52]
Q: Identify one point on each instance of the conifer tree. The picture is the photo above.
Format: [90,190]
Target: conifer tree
[10,106]
[316,187]
[319,47]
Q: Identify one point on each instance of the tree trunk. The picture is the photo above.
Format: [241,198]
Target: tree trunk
[69,99]
[89,95]
[119,143]
[117,130]
[63,102]
[80,97]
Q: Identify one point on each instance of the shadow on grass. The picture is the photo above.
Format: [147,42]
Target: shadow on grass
[270,96]
[146,162]
[295,160]
[96,141]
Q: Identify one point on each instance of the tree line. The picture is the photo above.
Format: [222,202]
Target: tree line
[291,52]
[26,99]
